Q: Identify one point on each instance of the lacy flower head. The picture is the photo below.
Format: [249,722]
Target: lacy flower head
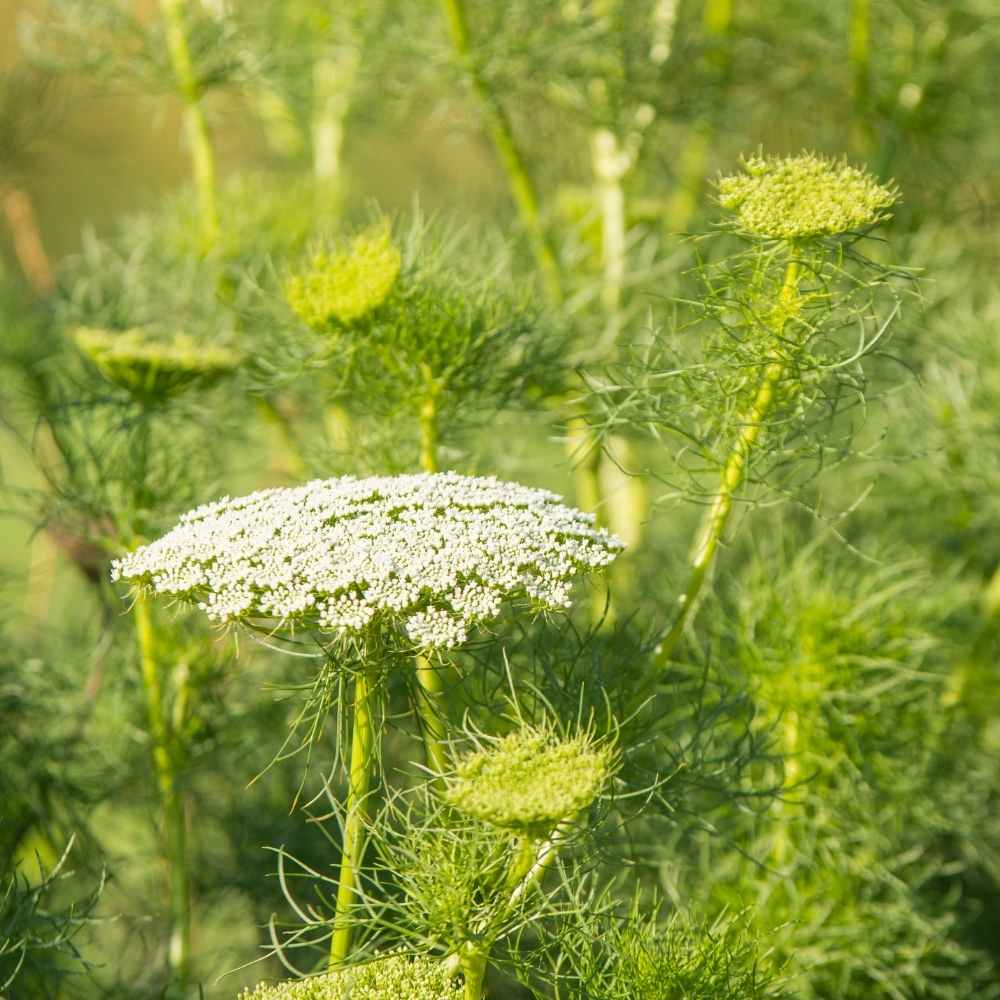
[796,197]
[153,368]
[530,780]
[430,554]
[394,978]
[343,287]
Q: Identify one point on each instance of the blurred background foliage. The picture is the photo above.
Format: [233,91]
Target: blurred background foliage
[832,749]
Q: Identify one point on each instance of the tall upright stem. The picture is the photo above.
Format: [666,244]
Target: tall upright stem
[430,706]
[716,518]
[427,415]
[195,125]
[171,799]
[498,126]
[430,691]
[860,46]
[359,787]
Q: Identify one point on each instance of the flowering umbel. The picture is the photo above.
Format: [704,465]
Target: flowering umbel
[343,287]
[530,780]
[393,978]
[796,197]
[154,368]
[431,554]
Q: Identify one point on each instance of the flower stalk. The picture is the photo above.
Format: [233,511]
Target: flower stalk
[359,787]
[713,526]
[171,798]
[498,125]
[195,124]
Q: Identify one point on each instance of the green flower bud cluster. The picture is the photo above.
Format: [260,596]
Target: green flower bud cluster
[393,978]
[790,198]
[153,368]
[530,780]
[345,286]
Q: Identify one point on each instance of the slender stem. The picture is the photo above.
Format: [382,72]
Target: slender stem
[195,125]
[428,419]
[27,239]
[359,786]
[716,518]
[171,799]
[860,43]
[498,126]
[790,749]
[430,705]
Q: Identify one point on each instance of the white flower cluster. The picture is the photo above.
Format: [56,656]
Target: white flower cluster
[433,553]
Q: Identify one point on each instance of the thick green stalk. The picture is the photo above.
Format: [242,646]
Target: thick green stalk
[195,125]
[501,134]
[860,46]
[359,787]
[171,799]
[716,518]
[427,415]
[430,693]
[474,963]
[430,705]
[860,50]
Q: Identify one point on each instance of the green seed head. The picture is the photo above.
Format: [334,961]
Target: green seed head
[530,780]
[391,978]
[796,197]
[154,368]
[343,287]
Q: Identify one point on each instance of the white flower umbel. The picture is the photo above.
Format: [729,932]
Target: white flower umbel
[431,554]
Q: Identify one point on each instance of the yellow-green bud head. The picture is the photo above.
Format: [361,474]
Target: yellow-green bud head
[530,780]
[392,978]
[151,367]
[343,287]
[796,197]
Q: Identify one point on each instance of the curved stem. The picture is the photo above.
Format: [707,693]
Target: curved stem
[195,125]
[501,134]
[359,786]
[714,523]
[171,800]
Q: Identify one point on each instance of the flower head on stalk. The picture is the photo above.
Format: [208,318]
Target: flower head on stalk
[392,978]
[343,287]
[530,779]
[152,368]
[797,197]
[430,555]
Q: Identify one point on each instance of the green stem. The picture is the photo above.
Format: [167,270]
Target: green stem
[714,523]
[359,786]
[171,799]
[473,962]
[860,44]
[195,125]
[498,126]
[430,705]
[428,418]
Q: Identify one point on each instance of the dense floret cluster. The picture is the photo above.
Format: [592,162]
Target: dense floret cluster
[801,196]
[529,780]
[345,286]
[432,554]
[393,978]
[152,367]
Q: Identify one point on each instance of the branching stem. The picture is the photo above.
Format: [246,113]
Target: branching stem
[716,518]
[171,799]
